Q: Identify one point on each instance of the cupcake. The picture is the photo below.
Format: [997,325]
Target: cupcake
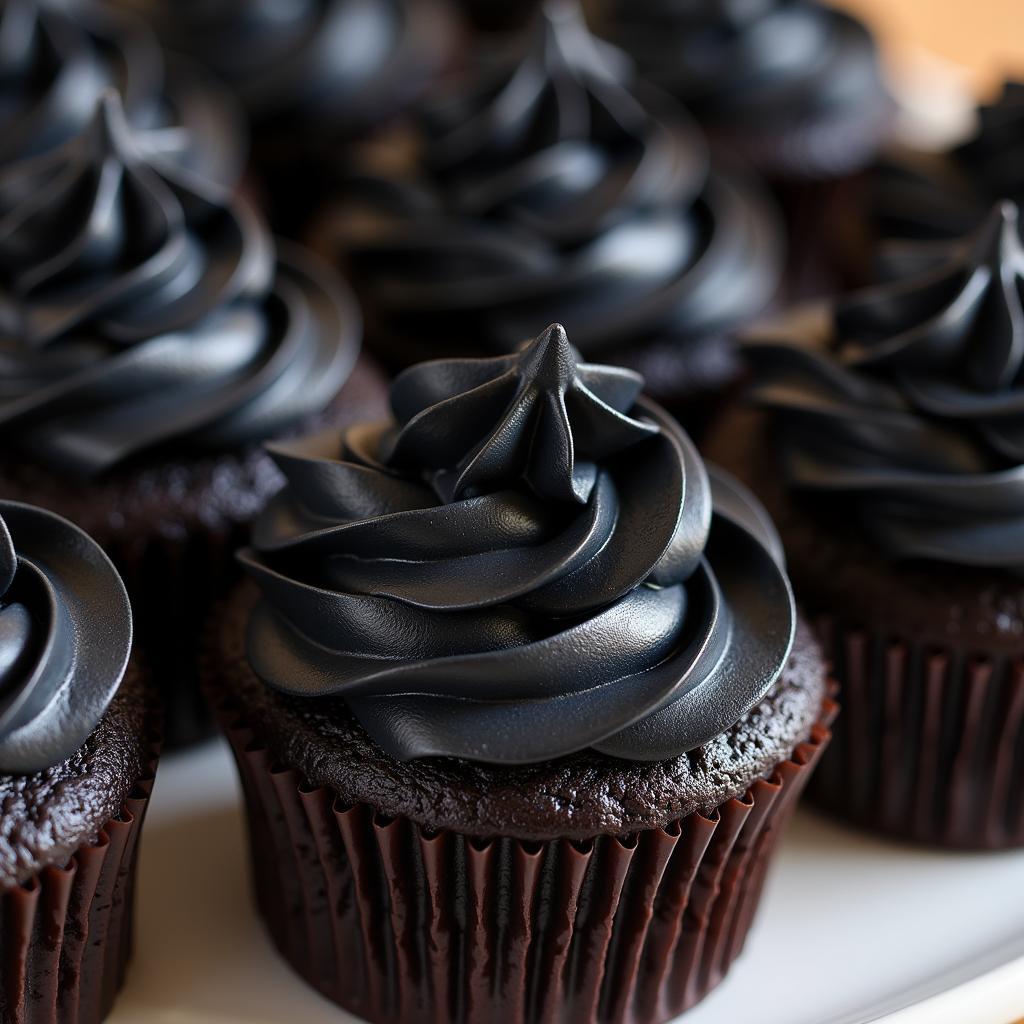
[555,186]
[150,334]
[794,86]
[309,73]
[77,755]
[519,699]
[887,446]
[59,58]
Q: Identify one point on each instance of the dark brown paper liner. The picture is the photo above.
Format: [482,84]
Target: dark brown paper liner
[66,933]
[399,924]
[930,745]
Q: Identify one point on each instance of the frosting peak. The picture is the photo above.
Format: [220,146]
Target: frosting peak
[577,578]
[142,304]
[907,398]
[552,186]
[56,59]
[65,637]
[950,329]
[540,416]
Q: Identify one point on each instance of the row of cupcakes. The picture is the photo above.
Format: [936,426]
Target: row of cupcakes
[556,187]
[514,668]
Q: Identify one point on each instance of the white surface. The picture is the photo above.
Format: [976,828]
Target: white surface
[851,929]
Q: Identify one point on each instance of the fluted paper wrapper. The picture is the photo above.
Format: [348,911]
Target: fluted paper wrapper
[930,745]
[399,924]
[66,933]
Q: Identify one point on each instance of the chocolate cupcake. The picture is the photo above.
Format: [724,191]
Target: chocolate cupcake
[78,736]
[310,73]
[888,449]
[519,700]
[58,59]
[555,186]
[150,334]
[794,86]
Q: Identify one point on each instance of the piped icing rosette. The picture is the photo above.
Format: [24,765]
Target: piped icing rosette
[338,64]
[56,60]
[141,305]
[65,637]
[906,400]
[793,84]
[530,560]
[550,188]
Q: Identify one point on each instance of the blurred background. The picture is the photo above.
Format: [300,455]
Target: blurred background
[986,37]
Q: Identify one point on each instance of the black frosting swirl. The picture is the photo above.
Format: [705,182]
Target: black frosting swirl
[908,400]
[530,561]
[56,60]
[338,64]
[935,196]
[780,70]
[65,637]
[549,189]
[141,304]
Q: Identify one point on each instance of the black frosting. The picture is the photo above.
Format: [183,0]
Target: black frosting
[337,64]
[781,70]
[65,637]
[141,304]
[56,60]
[531,560]
[907,400]
[545,188]
[936,196]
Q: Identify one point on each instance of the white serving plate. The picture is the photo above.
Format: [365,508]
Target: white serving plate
[851,930]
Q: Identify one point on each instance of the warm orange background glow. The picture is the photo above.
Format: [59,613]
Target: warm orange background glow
[986,36]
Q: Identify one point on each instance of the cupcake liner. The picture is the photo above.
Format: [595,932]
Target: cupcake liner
[398,923]
[930,745]
[66,932]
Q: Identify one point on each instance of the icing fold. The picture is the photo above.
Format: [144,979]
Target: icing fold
[530,560]
[141,304]
[909,402]
[549,187]
[65,637]
[57,59]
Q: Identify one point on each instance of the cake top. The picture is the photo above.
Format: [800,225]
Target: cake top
[529,560]
[552,184]
[907,398]
[65,637]
[142,305]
